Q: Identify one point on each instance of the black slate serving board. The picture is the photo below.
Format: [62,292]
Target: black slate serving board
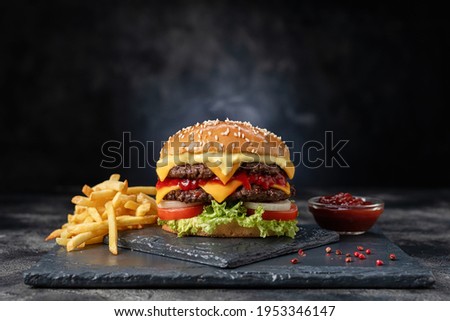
[95,267]
[222,252]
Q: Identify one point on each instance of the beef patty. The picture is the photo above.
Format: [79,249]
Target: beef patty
[196,171]
[201,171]
[255,194]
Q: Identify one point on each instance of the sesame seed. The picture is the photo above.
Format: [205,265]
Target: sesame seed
[268,136]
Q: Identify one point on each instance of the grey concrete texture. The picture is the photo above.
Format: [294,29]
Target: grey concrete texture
[95,267]
[222,252]
[415,220]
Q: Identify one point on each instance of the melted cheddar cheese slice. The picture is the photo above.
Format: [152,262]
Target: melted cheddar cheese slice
[289,169]
[163,191]
[286,189]
[220,192]
[220,164]
[219,173]
[163,171]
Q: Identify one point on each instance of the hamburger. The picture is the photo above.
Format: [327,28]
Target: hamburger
[226,179]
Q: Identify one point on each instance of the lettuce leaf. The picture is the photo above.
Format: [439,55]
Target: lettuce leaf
[217,214]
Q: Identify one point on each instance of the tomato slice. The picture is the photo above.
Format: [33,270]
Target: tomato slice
[291,214]
[179,213]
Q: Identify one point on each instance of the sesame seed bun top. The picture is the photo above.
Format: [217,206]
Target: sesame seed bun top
[215,136]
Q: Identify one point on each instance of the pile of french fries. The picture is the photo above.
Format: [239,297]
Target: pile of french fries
[105,209]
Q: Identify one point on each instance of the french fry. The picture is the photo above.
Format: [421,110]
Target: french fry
[132,205]
[124,187]
[124,211]
[105,209]
[79,218]
[80,209]
[61,241]
[64,234]
[120,199]
[114,177]
[93,212]
[100,209]
[135,220]
[114,185]
[86,190]
[77,240]
[56,233]
[96,240]
[144,198]
[116,201]
[143,209]
[112,228]
[70,218]
[149,190]
[81,200]
[106,194]
[126,198]
[88,219]
[86,227]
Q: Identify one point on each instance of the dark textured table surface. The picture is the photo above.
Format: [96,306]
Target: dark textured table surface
[416,220]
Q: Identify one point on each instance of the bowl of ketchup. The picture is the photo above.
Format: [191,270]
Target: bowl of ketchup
[345,213]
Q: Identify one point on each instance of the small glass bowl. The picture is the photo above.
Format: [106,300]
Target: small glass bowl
[346,219]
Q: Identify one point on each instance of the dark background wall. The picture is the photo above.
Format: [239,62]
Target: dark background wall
[75,74]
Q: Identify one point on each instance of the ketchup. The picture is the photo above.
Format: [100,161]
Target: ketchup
[184,183]
[343,199]
[265,181]
[345,213]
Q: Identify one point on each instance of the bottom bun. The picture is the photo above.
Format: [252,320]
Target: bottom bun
[232,229]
